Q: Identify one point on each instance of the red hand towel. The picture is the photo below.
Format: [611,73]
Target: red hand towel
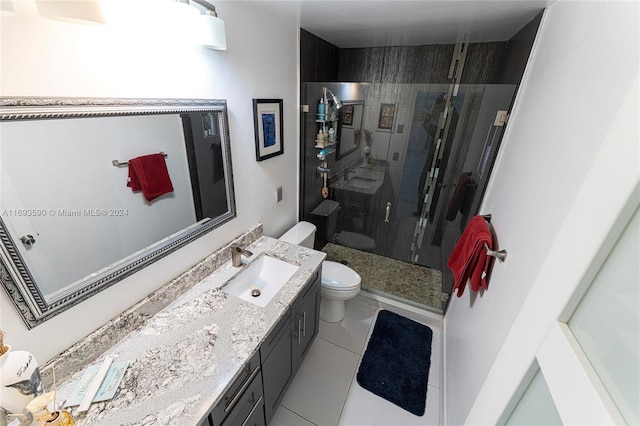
[469,259]
[458,195]
[480,271]
[149,173]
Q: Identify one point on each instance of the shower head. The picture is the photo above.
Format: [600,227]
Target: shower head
[337,102]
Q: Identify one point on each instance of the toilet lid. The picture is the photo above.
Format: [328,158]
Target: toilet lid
[338,276]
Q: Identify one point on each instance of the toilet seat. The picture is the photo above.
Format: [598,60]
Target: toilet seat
[338,277]
[339,288]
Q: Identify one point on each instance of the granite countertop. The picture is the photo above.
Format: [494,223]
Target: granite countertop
[184,357]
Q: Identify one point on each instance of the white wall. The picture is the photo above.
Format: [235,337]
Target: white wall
[50,58]
[583,65]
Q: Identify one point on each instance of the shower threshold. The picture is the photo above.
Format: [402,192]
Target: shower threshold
[410,284]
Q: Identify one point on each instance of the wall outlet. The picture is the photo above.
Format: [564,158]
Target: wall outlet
[279,194]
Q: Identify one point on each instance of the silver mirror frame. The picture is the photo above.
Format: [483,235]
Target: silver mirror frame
[16,278]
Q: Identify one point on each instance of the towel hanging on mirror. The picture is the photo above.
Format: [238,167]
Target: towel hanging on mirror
[149,173]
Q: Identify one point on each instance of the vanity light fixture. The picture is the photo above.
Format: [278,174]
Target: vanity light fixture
[210,28]
[76,11]
[7,7]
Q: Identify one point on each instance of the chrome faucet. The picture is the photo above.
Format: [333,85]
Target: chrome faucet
[236,255]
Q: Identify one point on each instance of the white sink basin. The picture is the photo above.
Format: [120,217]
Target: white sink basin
[260,280]
[360,182]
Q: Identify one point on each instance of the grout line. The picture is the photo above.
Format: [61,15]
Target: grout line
[339,346]
[297,414]
[353,377]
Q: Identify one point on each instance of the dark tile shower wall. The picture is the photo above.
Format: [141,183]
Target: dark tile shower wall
[420,64]
[318,62]
[518,52]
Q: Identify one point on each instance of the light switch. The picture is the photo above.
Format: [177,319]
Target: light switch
[279,194]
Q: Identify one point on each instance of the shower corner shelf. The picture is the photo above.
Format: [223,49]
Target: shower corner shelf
[322,156]
[325,145]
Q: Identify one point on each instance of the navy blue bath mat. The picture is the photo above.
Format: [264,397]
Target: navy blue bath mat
[396,364]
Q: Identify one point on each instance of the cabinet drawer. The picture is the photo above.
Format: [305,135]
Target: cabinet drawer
[256,418]
[249,409]
[272,339]
[238,388]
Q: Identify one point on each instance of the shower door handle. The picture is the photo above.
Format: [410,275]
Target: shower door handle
[388,212]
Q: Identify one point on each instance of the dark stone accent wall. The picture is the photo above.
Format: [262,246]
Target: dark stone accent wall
[360,65]
[308,55]
[518,52]
[318,62]
[318,58]
[420,64]
[483,63]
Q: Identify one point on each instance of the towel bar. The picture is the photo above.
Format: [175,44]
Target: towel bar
[501,255]
[119,164]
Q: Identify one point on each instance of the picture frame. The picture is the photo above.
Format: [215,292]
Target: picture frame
[347,115]
[386,117]
[267,117]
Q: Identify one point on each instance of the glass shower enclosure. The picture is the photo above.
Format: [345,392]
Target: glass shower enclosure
[407,168]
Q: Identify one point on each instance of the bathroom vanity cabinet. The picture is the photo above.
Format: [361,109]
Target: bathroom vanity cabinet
[243,399]
[285,348]
[266,377]
[209,358]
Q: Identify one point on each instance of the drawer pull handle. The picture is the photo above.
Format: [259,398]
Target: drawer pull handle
[299,330]
[304,324]
[258,402]
[234,400]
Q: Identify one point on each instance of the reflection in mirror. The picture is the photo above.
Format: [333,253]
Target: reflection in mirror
[70,226]
[349,132]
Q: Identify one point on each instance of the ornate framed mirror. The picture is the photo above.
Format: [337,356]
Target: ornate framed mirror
[69,224]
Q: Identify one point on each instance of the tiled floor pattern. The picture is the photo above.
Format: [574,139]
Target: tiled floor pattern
[394,277]
[325,391]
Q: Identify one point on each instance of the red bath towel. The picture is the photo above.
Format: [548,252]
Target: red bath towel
[458,196]
[469,260]
[149,173]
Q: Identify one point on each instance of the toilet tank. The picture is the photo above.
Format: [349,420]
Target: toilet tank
[302,234]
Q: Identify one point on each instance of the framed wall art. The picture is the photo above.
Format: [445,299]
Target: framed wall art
[267,117]
[347,115]
[387,114]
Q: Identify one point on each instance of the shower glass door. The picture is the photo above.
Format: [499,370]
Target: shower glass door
[402,208]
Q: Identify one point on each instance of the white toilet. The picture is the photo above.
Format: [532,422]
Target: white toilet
[338,283]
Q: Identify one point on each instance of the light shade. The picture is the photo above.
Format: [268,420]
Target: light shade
[211,32]
[77,11]
[7,7]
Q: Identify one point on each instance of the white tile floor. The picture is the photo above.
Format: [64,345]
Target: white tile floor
[325,391]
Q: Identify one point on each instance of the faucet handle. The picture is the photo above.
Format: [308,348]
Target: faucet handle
[236,254]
